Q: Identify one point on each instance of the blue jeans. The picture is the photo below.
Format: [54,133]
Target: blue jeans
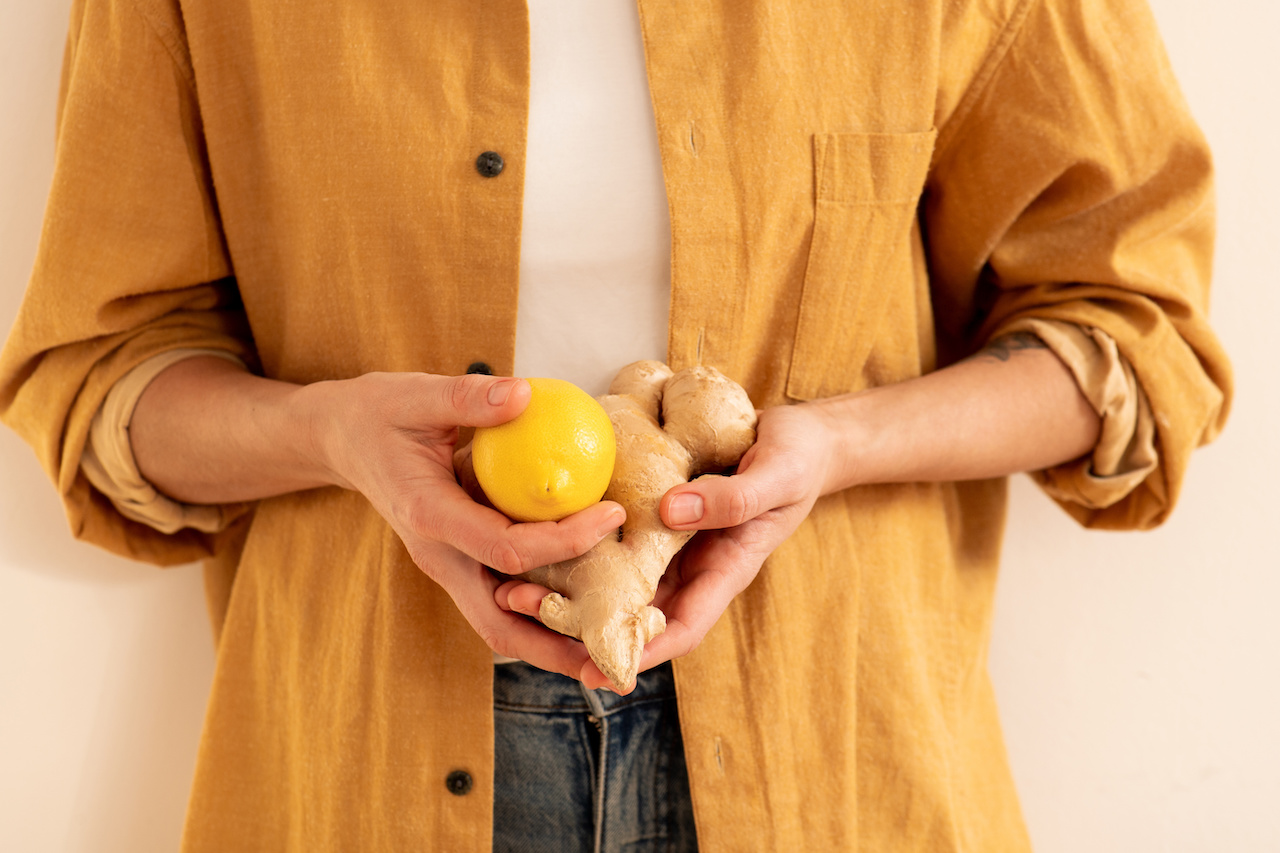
[586,770]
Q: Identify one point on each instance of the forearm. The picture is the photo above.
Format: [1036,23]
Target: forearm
[207,431]
[1013,407]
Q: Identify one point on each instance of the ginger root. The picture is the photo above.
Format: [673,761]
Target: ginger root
[670,427]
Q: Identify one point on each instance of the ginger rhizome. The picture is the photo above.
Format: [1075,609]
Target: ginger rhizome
[670,427]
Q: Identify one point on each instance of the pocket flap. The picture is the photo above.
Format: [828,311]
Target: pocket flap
[868,186]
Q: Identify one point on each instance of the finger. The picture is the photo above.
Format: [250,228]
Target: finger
[520,547]
[517,637]
[526,598]
[473,400]
[717,502]
[593,679]
[450,515]
[712,570]
[691,612]
[506,633]
[521,597]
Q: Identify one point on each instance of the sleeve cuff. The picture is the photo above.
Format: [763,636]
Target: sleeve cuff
[1126,452]
[109,465]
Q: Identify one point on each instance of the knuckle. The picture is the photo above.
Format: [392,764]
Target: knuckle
[419,517]
[462,390]
[740,506]
[508,558]
[583,541]
[491,637]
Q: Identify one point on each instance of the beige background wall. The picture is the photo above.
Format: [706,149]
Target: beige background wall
[1139,673]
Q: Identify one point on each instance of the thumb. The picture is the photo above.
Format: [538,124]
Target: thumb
[717,502]
[476,400]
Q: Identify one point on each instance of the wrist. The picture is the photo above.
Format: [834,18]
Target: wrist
[317,411]
[847,441]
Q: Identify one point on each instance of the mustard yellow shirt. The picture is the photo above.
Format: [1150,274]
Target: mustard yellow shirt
[859,193]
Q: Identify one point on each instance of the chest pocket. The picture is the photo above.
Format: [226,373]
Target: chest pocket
[868,188]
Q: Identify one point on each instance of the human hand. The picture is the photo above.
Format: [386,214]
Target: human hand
[391,436]
[741,519]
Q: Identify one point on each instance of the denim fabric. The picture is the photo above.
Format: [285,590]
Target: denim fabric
[590,771]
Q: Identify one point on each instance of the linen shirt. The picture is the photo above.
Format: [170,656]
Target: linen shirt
[859,194]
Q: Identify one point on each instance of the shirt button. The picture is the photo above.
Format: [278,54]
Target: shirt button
[489,164]
[480,367]
[459,783]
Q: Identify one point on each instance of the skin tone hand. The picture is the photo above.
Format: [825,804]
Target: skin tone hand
[389,436]
[1013,407]
[777,482]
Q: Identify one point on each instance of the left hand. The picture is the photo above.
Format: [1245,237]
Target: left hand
[741,519]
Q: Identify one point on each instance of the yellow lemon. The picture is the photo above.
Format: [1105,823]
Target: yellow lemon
[554,459]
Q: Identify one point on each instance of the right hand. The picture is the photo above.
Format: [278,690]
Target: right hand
[391,436]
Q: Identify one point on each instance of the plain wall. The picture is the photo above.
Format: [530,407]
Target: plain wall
[1137,672]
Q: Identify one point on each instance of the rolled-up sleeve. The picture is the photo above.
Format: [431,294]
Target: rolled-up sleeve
[1072,186]
[109,463]
[132,262]
[1125,453]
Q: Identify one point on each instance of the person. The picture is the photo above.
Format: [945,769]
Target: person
[289,254]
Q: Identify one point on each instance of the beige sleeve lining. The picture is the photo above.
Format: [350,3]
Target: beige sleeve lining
[1126,451]
[108,460]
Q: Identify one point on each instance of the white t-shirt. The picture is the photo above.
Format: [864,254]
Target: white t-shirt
[595,252]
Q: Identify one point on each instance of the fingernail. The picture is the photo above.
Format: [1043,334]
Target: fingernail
[685,509]
[499,392]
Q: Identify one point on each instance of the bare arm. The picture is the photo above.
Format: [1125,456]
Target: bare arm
[1013,407]
[206,431]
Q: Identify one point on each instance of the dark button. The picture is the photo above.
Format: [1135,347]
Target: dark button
[490,164]
[459,783]
[480,367]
